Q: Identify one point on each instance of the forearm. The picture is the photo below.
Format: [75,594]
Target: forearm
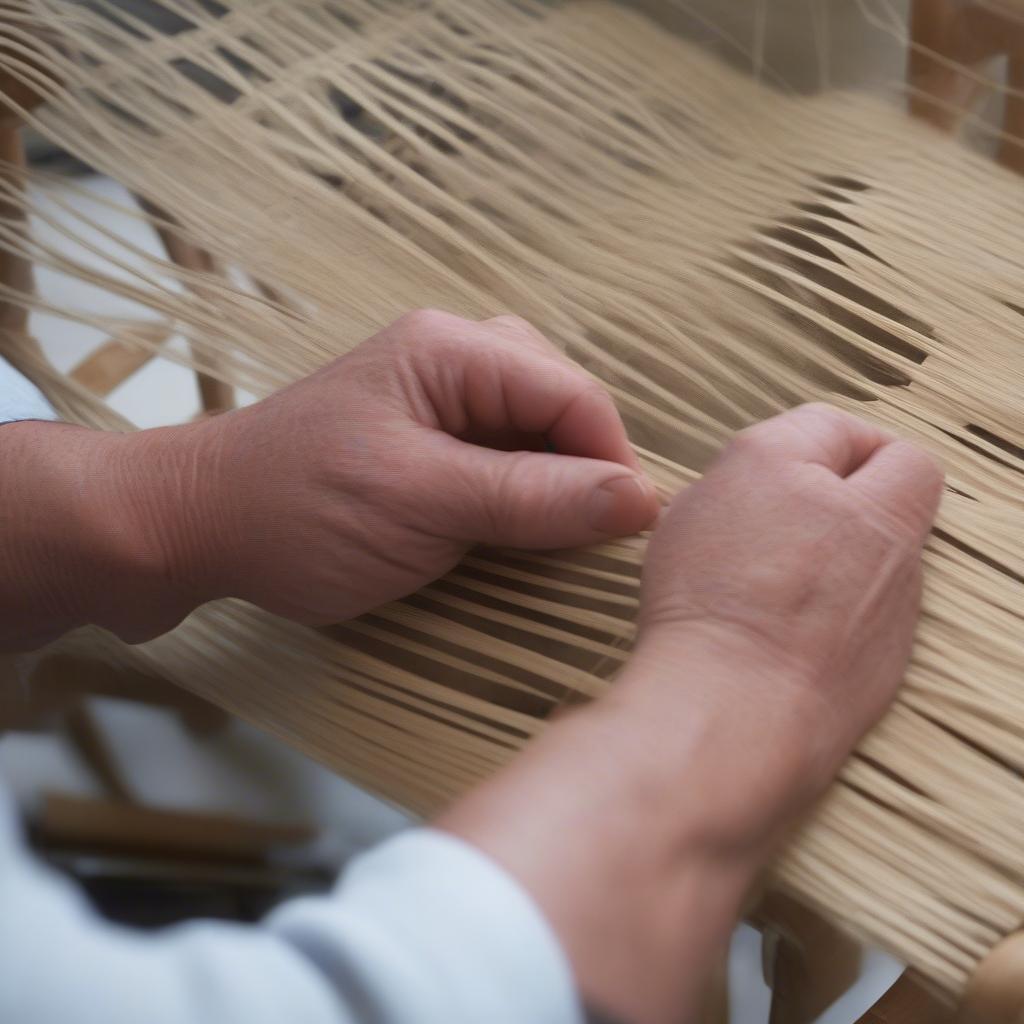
[94,528]
[640,825]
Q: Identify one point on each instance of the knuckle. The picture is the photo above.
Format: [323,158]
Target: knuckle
[753,439]
[824,417]
[511,322]
[427,323]
[589,389]
[509,327]
[926,469]
[820,409]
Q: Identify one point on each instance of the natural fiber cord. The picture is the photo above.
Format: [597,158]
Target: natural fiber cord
[714,251]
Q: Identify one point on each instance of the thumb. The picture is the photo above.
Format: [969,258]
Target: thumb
[539,500]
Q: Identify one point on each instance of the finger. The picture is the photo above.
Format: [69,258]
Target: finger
[816,433]
[540,500]
[520,331]
[589,425]
[530,391]
[905,482]
[501,377]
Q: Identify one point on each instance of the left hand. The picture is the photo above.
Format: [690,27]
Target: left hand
[373,477]
[350,488]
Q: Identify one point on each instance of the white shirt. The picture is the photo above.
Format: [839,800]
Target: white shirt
[20,399]
[424,929]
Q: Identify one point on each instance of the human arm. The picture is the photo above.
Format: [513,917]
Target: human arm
[780,595]
[352,487]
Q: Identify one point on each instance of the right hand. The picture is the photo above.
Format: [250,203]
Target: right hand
[796,558]
[779,600]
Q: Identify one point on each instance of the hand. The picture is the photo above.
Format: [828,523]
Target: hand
[352,487]
[373,477]
[796,562]
[779,601]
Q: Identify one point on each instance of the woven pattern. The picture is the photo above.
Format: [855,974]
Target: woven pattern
[713,251]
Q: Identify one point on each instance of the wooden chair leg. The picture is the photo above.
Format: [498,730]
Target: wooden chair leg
[808,963]
[715,1008]
[932,82]
[945,38]
[214,395]
[15,270]
[86,737]
[908,1002]
[1011,150]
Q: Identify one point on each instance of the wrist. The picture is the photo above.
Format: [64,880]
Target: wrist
[610,834]
[175,540]
[748,721]
[641,823]
[95,530]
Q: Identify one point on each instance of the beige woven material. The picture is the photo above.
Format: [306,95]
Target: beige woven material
[713,251]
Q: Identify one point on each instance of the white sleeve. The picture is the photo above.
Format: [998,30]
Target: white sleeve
[422,930]
[20,399]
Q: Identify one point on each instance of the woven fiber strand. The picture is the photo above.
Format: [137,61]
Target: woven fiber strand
[714,251]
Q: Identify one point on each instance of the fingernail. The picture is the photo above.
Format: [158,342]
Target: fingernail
[622,505]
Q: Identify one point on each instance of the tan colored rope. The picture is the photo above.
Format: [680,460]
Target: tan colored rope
[712,250]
